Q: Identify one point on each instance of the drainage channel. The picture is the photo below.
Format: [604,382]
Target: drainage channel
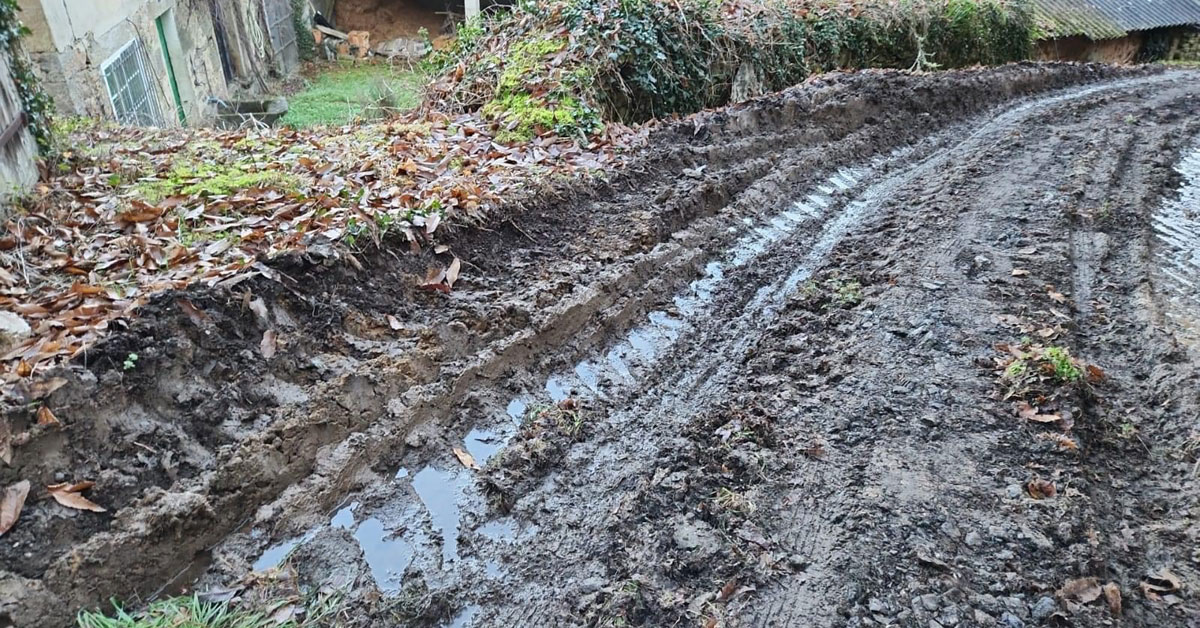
[433,510]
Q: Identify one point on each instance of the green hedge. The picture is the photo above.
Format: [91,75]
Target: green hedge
[631,60]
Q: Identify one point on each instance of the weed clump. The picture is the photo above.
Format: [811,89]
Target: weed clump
[311,610]
[1029,365]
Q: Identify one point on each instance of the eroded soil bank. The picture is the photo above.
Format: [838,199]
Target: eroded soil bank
[753,381]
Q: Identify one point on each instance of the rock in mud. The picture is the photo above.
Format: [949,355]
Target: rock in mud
[1043,608]
[1008,620]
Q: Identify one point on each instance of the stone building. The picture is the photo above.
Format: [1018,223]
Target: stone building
[158,62]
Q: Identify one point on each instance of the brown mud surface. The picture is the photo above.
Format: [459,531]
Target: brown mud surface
[753,380]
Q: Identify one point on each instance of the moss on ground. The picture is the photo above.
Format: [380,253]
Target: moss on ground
[347,92]
[213,179]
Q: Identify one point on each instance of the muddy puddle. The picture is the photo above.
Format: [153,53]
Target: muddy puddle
[436,519]
[1176,226]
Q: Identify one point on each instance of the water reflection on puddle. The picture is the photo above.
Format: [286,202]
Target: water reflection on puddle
[439,491]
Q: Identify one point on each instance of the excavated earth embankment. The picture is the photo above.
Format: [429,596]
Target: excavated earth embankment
[758,378]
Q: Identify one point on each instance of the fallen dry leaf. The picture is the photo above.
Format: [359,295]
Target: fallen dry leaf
[1112,595]
[286,613]
[1063,441]
[1030,413]
[452,272]
[267,346]
[12,500]
[1084,590]
[1041,489]
[394,323]
[466,459]
[46,417]
[434,280]
[1094,373]
[1007,319]
[1020,272]
[69,495]
[43,388]
[1163,581]
[1057,297]
[198,317]
[727,590]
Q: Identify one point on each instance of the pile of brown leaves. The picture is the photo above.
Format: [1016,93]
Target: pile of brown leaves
[141,211]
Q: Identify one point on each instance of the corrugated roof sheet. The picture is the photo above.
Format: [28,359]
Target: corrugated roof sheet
[1137,15]
[1105,19]
[1062,18]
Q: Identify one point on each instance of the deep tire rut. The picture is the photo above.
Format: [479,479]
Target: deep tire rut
[741,385]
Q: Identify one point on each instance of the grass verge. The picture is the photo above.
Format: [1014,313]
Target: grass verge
[345,92]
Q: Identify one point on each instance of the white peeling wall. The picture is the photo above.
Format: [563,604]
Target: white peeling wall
[73,39]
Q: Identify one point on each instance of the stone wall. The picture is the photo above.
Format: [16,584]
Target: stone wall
[18,148]
[1186,47]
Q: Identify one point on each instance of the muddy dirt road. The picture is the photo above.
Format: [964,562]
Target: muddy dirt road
[879,350]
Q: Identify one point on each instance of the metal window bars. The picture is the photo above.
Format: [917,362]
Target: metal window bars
[129,86]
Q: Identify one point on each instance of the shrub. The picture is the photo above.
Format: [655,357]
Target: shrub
[632,60]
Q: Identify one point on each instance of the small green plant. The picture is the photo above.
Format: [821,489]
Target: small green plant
[192,612]
[566,417]
[1064,366]
[730,500]
[130,362]
[845,293]
[1017,369]
[570,422]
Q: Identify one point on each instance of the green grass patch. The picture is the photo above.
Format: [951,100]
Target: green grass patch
[343,93]
[191,612]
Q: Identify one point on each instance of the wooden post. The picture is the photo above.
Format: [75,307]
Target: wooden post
[472,7]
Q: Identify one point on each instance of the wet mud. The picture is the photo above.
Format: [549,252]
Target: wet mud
[758,379]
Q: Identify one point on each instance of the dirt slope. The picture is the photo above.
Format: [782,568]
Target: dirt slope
[752,381]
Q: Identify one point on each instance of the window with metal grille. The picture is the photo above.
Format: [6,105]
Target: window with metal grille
[130,87]
[281,29]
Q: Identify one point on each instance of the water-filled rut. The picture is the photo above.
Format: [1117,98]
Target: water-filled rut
[525,542]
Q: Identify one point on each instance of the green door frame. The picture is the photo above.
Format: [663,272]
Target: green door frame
[162,42]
